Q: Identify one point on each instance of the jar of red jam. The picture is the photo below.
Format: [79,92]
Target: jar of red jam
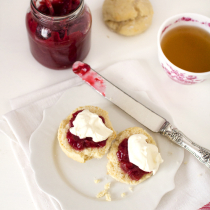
[59,31]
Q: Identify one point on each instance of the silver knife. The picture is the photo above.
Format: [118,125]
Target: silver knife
[145,116]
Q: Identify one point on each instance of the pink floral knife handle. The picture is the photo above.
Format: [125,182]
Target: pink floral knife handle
[202,154]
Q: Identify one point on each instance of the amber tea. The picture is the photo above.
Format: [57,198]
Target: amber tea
[188,47]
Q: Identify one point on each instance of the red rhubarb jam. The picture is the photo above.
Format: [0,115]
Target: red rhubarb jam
[84,71]
[80,144]
[59,32]
[80,68]
[134,172]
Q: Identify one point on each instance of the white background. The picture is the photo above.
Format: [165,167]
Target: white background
[21,74]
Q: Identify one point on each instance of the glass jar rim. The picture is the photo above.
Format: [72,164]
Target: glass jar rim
[70,16]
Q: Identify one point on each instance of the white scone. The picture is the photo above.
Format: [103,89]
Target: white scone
[88,153]
[128,17]
[113,166]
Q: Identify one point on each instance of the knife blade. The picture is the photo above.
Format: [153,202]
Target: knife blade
[142,114]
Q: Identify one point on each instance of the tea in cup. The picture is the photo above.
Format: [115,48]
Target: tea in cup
[184,48]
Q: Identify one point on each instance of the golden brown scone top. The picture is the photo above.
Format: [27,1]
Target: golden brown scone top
[119,10]
[127,17]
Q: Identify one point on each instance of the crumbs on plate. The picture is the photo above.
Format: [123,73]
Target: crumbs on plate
[105,192]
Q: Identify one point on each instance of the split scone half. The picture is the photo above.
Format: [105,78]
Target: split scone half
[88,152]
[114,165]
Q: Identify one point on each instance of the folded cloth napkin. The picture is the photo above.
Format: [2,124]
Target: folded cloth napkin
[192,180]
[20,123]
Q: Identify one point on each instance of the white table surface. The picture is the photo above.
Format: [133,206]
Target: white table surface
[21,74]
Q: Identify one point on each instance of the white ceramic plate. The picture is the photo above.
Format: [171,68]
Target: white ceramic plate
[72,183]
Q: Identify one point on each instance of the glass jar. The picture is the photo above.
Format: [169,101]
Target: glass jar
[58,41]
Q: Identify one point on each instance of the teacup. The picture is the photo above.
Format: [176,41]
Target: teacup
[175,73]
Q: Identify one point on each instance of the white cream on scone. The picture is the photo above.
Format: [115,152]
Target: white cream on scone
[143,154]
[88,124]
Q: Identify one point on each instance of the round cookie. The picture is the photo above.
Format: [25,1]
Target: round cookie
[113,166]
[88,153]
[127,17]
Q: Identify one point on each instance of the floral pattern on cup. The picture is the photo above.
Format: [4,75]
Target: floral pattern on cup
[187,19]
[182,78]
[175,73]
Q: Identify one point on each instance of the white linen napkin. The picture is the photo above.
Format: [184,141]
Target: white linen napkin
[192,179]
[20,123]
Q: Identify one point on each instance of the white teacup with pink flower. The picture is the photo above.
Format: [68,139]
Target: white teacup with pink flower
[175,73]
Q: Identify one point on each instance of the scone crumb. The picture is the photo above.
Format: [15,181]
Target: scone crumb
[107,186]
[101,194]
[97,181]
[123,195]
[105,192]
[185,163]
[108,197]
[131,189]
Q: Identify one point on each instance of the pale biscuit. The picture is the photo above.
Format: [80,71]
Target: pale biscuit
[113,166]
[128,17]
[88,153]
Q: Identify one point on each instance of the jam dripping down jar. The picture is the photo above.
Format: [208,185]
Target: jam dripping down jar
[57,36]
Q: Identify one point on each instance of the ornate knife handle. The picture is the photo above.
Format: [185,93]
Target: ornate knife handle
[202,154]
